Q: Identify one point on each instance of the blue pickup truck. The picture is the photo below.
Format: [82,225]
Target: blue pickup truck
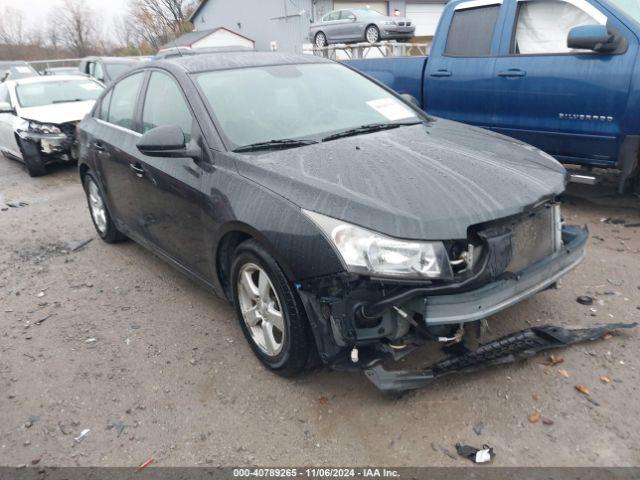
[562,75]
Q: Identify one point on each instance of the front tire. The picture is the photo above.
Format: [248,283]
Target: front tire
[269,311]
[100,215]
[372,34]
[32,160]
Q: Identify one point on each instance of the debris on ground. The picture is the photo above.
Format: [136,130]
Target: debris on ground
[553,360]
[478,427]
[605,379]
[585,300]
[16,204]
[83,434]
[144,465]
[78,245]
[547,421]
[534,417]
[564,373]
[476,455]
[118,425]
[582,389]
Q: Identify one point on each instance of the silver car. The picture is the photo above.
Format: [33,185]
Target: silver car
[359,24]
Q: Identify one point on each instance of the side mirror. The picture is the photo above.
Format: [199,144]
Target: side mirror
[166,141]
[592,37]
[411,99]
[5,107]
[352,18]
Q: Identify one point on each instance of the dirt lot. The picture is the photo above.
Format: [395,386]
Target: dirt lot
[112,339]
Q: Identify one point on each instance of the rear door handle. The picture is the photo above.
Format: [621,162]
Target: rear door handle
[512,73]
[99,147]
[137,169]
[441,73]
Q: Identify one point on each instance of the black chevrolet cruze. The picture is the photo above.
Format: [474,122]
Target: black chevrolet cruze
[345,225]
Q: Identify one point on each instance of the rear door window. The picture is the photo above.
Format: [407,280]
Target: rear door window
[123,101]
[164,104]
[103,111]
[471,32]
[543,26]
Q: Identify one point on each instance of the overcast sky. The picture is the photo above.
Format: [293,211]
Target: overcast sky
[36,10]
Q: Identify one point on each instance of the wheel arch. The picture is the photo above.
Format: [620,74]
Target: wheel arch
[231,236]
[369,26]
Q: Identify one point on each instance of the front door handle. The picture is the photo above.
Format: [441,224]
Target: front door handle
[99,147]
[441,73]
[137,169]
[512,73]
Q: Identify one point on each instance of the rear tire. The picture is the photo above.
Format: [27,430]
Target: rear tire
[32,160]
[100,215]
[321,40]
[269,311]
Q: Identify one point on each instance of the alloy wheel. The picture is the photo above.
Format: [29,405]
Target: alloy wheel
[96,204]
[372,34]
[260,308]
[321,40]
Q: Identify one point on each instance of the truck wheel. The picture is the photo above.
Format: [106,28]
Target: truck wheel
[372,34]
[32,160]
[269,311]
[100,216]
[321,40]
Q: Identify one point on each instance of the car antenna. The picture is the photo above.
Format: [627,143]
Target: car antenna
[175,44]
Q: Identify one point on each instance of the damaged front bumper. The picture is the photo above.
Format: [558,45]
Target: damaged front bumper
[360,322]
[508,349]
[51,146]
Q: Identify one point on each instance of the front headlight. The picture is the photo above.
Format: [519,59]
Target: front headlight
[389,23]
[43,128]
[369,253]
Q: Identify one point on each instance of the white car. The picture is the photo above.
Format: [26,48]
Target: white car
[39,115]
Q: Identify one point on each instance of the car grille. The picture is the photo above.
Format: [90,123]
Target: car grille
[534,238]
[404,24]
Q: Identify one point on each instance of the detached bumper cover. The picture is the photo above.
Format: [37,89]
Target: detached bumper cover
[508,349]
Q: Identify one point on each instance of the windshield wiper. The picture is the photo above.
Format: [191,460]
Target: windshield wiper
[370,128]
[274,145]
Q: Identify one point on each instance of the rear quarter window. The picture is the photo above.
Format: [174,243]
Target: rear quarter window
[471,32]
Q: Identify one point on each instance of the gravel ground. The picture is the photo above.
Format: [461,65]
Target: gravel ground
[113,340]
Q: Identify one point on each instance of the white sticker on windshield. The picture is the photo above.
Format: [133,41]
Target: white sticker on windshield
[391,109]
[91,86]
[23,69]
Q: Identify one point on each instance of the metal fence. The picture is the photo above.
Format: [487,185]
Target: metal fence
[41,65]
[370,50]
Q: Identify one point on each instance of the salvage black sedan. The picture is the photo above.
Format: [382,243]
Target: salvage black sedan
[345,225]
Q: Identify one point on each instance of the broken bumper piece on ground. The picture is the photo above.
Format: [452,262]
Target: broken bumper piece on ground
[508,349]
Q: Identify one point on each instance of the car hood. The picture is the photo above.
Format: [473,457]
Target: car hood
[58,113]
[418,182]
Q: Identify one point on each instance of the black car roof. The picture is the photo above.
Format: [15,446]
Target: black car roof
[231,60]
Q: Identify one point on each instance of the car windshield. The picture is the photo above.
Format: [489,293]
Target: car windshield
[367,12]
[62,91]
[116,69]
[308,101]
[630,7]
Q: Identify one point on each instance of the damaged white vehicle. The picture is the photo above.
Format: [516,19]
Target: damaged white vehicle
[39,116]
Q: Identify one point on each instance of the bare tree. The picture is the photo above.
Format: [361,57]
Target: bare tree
[11,26]
[76,27]
[157,21]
